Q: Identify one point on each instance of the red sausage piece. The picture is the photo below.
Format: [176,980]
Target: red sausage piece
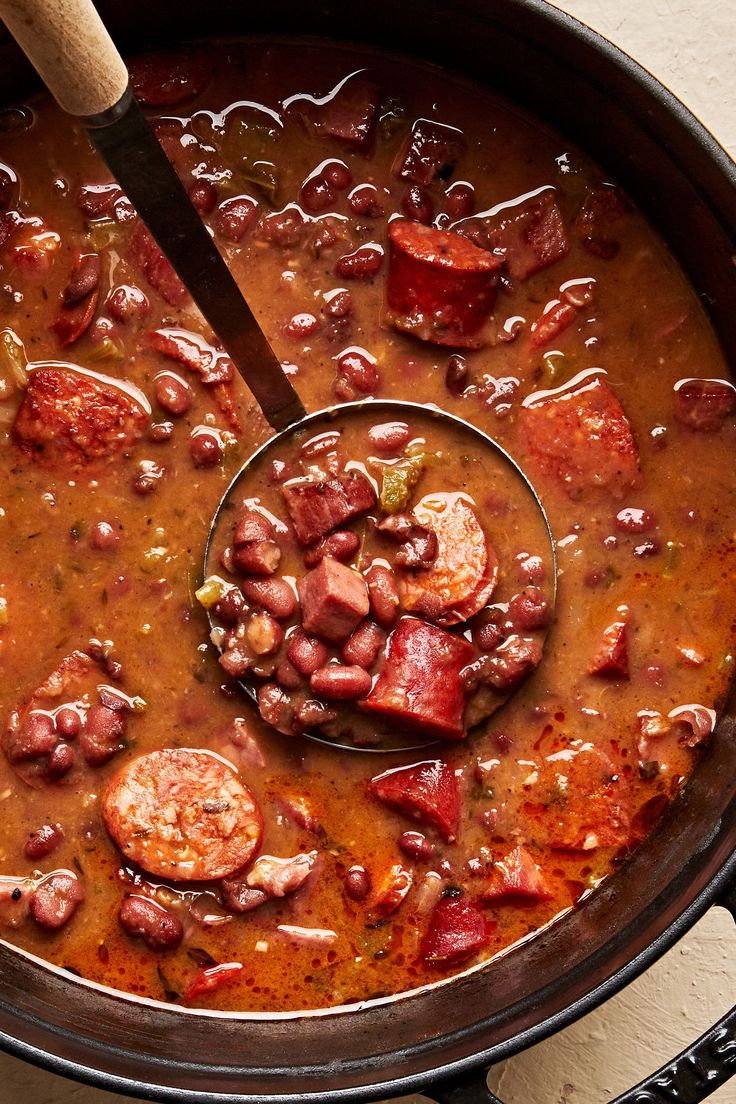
[457,931]
[420,685]
[65,414]
[516,878]
[583,438]
[612,657]
[440,288]
[182,814]
[428,792]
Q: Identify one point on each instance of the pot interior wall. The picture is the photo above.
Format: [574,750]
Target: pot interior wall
[526,51]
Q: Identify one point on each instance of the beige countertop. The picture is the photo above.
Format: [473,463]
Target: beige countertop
[691,46]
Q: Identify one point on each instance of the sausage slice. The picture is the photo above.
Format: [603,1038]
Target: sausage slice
[182,814]
[463,575]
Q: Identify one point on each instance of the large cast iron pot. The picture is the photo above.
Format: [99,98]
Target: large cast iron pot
[442,1039]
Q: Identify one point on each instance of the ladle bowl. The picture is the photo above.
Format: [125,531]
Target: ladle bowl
[242,488]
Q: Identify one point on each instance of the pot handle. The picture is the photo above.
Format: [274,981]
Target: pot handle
[692,1076]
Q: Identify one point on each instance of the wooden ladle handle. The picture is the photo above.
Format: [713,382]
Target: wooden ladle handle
[69,46]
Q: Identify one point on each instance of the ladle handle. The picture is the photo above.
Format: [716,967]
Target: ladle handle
[69,46]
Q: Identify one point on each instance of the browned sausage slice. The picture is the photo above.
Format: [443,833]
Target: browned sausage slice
[462,577]
[182,814]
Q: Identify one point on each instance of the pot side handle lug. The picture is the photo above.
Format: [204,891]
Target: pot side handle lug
[689,1078]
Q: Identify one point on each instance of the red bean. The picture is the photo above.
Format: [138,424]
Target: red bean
[264,634]
[128,304]
[60,761]
[235,217]
[360,371]
[383,595]
[363,645]
[231,606]
[456,374]
[283,228]
[364,200]
[357,883]
[363,264]
[531,569]
[274,706]
[311,714]
[338,304]
[104,536]
[203,195]
[159,928]
[631,520]
[529,610]
[510,664]
[488,636]
[274,595]
[55,900]
[160,432]
[172,394]
[103,734]
[35,737]
[317,194]
[148,478]
[300,326]
[338,174]
[389,437]
[307,653]
[459,201]
[416,846]
[259,557]
[417,204]
[338,683]
[43,841]
[68,722]
[252,525]
[341,545]
[288,676]
[205,448]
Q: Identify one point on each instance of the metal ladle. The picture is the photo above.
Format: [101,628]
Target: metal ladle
[70,47]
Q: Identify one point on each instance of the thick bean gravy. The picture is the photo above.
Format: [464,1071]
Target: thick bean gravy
[399,235]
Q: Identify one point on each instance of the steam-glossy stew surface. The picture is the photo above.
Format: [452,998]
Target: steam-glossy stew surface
[399,235]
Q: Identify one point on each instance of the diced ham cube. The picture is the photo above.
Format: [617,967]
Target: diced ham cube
[419,686]
[317,506]
[612,657]
[430,152]
[457,930]
[334,598]
[516,878]
[428,792]
[531,234]
[440,288]
[704,404]
[347,113]
[581,437]
[603,207]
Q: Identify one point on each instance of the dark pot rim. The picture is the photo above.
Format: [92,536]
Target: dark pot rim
[663,912]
